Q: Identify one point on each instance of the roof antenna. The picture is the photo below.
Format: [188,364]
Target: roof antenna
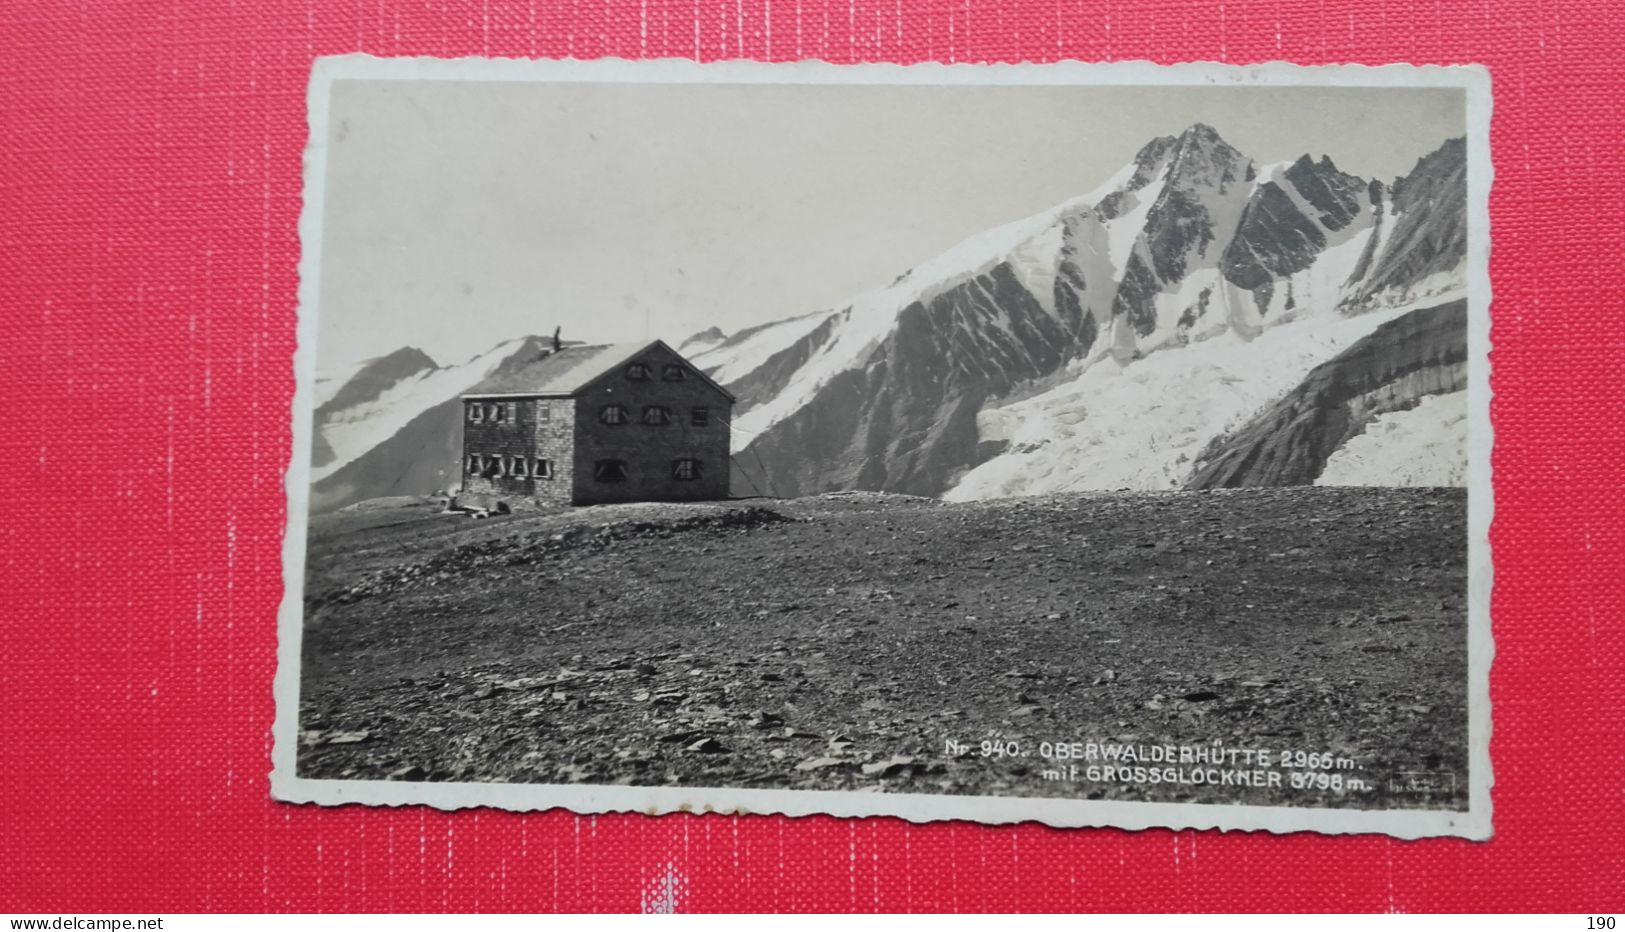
[556,344]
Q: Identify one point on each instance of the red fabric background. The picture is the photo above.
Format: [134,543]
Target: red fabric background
[148,253]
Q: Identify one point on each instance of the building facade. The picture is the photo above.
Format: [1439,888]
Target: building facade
[597,424]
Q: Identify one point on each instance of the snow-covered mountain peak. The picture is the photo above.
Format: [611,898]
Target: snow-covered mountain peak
[1201,134]
[1201,158]
[1190,243]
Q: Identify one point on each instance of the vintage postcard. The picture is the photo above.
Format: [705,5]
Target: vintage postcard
[1100,445]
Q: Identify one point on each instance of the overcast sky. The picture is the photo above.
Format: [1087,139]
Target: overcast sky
[459,214]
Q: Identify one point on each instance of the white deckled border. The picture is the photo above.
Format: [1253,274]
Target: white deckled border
[1474,823]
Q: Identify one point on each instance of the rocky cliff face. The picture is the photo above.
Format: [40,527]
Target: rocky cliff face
[1424,235]
[1420,354]
[906,418]
[1289,222]
[1205,188]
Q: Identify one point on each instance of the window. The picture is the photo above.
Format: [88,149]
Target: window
[543,469]
[493,467]
[476,413]
[493,413]
[685,469]
[472,467]
[513,411]
[702,416]
[658,415]
[637,372]
[609,471]
[517,467]
[673,372]
[544,413]
[612,414]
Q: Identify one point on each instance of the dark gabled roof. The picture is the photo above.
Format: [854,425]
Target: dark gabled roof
[572,369]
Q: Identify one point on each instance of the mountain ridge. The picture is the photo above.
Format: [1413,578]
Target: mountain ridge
[1192,249]
[1194,241]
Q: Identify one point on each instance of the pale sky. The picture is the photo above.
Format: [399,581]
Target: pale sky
[459,214]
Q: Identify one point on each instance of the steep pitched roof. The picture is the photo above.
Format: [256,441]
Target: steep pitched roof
[570,370]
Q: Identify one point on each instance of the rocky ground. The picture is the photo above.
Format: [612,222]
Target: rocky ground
[843,641]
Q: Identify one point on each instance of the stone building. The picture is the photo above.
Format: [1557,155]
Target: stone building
[581,425]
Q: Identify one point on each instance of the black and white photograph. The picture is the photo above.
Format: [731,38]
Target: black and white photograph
[1087,444]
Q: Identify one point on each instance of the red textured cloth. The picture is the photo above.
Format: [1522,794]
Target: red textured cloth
[148,250]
